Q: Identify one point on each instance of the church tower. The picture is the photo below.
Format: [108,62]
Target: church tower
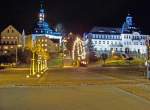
[43,32]
[129,25]
[42,13]
[129,20]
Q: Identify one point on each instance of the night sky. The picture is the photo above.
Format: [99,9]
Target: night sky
[76,15]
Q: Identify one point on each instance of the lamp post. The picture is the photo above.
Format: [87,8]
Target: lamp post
[18,46]
[147,60]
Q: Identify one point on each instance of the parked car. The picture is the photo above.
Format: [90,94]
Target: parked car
[83,63]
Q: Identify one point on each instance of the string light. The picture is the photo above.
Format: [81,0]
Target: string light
[79,49]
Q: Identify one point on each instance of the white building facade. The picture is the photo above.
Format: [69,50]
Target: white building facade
[126,40]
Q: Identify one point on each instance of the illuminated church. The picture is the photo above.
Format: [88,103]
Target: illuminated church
[128,39]
[44,33]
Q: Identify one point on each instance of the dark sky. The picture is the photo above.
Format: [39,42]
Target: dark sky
[76,15]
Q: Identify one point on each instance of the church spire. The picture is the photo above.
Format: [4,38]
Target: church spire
[129,20]
[42,11]
[42,4]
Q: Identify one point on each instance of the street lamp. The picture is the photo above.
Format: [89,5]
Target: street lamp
[18,46]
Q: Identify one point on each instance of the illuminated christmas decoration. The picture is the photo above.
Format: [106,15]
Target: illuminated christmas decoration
[78,51]
[39,61]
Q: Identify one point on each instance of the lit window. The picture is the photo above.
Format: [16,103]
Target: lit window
[45,40]
[42,40]
[11,47]
[6,47]
[5,52]
[45,49]
[46,45]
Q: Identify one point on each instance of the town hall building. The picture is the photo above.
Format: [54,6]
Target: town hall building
[128,40]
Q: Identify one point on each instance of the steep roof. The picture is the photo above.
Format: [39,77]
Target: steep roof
[106,30]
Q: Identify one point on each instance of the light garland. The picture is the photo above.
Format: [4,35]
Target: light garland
[78,47]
